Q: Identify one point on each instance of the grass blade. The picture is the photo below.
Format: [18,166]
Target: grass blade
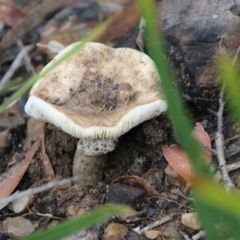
[93,35]
[209,196]
[86,221]
[229,75]
[176,110]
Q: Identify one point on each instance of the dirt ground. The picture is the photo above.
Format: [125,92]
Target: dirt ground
[134,173]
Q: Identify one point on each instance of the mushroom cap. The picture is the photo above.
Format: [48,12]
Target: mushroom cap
[100,92]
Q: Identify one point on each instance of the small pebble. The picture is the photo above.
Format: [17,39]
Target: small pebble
[171,233]
[81,211]
[114,231]
[132,235]
[152,234]
[191,220]
[124,194]
[159,202]
[72,211]
[166,234]
[170,171]
[150,211]
[17,227]
[20,204]
[93,70]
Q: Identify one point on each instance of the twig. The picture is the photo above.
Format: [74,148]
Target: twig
[53,46]
[230,167]
[47,215]
[185,236]
[177,203]
[214,113]
[179,193]
[219,139]
[199,235]
[27,59]
[235,149]
[160,221]
[40,189]
[213,151]
[232,138]
[233,166]
[15,65]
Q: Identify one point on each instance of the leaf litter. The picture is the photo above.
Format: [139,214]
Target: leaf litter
[137,148]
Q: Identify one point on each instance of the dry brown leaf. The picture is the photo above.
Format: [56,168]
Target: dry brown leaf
[10,179]
[33,18]
[122,22]
[49,174]
[37,15]
[202,136]
[25,6]
[178,158]
[139,182]
[10,15]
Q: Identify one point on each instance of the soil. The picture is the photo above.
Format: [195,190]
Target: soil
[151,192]
[138,153]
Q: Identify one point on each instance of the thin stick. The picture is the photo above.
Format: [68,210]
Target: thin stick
[27,59]
[185,236]
[15,65]
[211,150]
[219,139]
[177,203]
[199,235]
[160,221]
[233,166]
[47,215]
[40,189]
[231,138]
[53,46]
[214,113]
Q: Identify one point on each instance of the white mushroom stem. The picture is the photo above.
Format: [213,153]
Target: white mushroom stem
[88,168]
[90,158]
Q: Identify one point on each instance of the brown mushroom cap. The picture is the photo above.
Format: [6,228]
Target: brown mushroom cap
[100,92]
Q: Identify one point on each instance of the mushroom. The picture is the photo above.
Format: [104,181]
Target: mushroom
[96,96]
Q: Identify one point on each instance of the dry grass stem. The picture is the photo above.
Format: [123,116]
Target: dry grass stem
[15,65]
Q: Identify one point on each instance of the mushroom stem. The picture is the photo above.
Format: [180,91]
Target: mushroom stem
[88,168]
[90,158]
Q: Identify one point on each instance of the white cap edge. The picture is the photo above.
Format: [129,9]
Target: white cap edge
[43,111]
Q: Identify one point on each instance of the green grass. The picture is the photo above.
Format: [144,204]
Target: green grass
[218,209]
[215,205]
[98,31]
[74,225]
